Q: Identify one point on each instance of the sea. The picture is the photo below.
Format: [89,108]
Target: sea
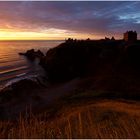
[14,67]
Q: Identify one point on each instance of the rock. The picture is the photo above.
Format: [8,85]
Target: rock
[132,55]
[39,53]
[32,54]
[19,89]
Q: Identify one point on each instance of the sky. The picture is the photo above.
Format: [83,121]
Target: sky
[58,20]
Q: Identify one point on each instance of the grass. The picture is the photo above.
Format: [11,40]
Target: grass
[94,119]
[102,94]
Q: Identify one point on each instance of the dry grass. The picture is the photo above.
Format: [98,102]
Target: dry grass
[102,119]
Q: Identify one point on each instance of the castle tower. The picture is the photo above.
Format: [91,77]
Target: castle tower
[130,36]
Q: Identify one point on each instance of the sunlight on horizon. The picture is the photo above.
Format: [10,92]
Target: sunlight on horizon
[49,34]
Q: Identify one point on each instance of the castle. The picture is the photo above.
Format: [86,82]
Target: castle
[130,36]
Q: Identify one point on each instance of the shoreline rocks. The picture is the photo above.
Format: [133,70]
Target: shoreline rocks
[32,54]
[22,88]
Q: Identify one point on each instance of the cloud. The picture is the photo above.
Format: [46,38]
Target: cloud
[99,18]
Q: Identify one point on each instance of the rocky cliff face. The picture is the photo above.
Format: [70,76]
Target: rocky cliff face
[105,60]
[115,65]
[69,60]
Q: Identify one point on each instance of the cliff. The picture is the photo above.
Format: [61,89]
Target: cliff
[114,64]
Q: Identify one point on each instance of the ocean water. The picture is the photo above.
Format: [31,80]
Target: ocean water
[14,66]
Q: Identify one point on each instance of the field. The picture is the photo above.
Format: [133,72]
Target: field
[84,119]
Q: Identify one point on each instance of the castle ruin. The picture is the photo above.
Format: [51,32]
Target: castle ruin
[130,36]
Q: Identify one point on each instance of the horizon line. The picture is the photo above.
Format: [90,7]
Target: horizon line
[54,39]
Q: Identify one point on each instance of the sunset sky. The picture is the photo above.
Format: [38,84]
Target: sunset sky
[29,20]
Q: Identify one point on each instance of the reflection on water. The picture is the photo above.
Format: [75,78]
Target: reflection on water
[13,65]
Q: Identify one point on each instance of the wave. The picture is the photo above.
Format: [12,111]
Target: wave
[20,78]
[13,70]
[22,74]
[7,62]
[6,55]
[17,79]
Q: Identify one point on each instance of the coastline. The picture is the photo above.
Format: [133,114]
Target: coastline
[12,64]
[104,83]
[23,76]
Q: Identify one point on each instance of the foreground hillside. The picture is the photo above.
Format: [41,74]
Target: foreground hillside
[82,119]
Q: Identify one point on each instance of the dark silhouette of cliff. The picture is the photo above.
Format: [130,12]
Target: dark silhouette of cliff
[69,59]
[114,63]
[74,58]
